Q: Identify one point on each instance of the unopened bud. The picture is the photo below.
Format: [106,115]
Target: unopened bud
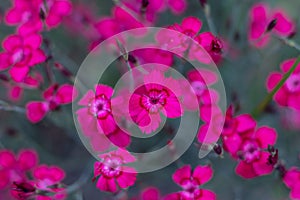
[218,149]
[203,3]
[271,25]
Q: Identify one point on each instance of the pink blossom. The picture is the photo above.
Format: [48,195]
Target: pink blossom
[112,171]
[289,94]
[200,80]
[122,20]
[27,15]
[21,53]
[158,95]
[292,181]
[81,21]
[14,168]
[97,121]
[190,182]
[54,97]
[212,44]
[260,17]
[149,193]
[47,179]
[97,107]
[15,90]
[149,11]
[248,144]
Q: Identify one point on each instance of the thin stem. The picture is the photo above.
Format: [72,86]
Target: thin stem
[288,42]
[8,107]
[261,107]
[209,20]
[85,176]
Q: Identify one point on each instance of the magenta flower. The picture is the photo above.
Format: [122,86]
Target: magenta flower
[212,44]
[27,14]
[190,182]
[54,97]
[169,40]
[97,121]
[21,53]
[14,168]
[112,171]
[200,82]
[158,95]
[149,193]
[289,93]
[121,21]
[260,17]
[97,106]
[48,179]
[292,181]
[248,145]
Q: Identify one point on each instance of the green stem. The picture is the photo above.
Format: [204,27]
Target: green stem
[261,107]
[288,42]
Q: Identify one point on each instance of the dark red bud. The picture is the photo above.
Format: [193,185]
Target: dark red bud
[203,3]
[271,25]
[218,149]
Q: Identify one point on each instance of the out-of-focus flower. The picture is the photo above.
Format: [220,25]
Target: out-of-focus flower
[122,20]
[20,54]
[112,171]
[292,181]
[190,182]
[54,97]
[82,22]
[29,15]
[47,180]
[149,193]
[14,168]
[289,94]
[260,18]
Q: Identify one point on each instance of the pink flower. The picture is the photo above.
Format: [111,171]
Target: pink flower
[213,45]
[260,17]
[248,145]
[112,171]
[292,181]
[289,94]
[57,10]
[54,97]
[81,21]
[15,90]
[179,42]
[177,6]
[121,21]
[97,107]
[149,193]
[97,121]
[158,95]
[153,55]
[14,168]
[21,53]
[47,179]
[200,80]
[27,14]
[149,10]
[190,182]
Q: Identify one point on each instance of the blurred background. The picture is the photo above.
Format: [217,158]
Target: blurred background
[244,70]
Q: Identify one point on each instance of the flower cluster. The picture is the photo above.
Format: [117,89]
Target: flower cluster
[248,144]
[263,20]
[28,179]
